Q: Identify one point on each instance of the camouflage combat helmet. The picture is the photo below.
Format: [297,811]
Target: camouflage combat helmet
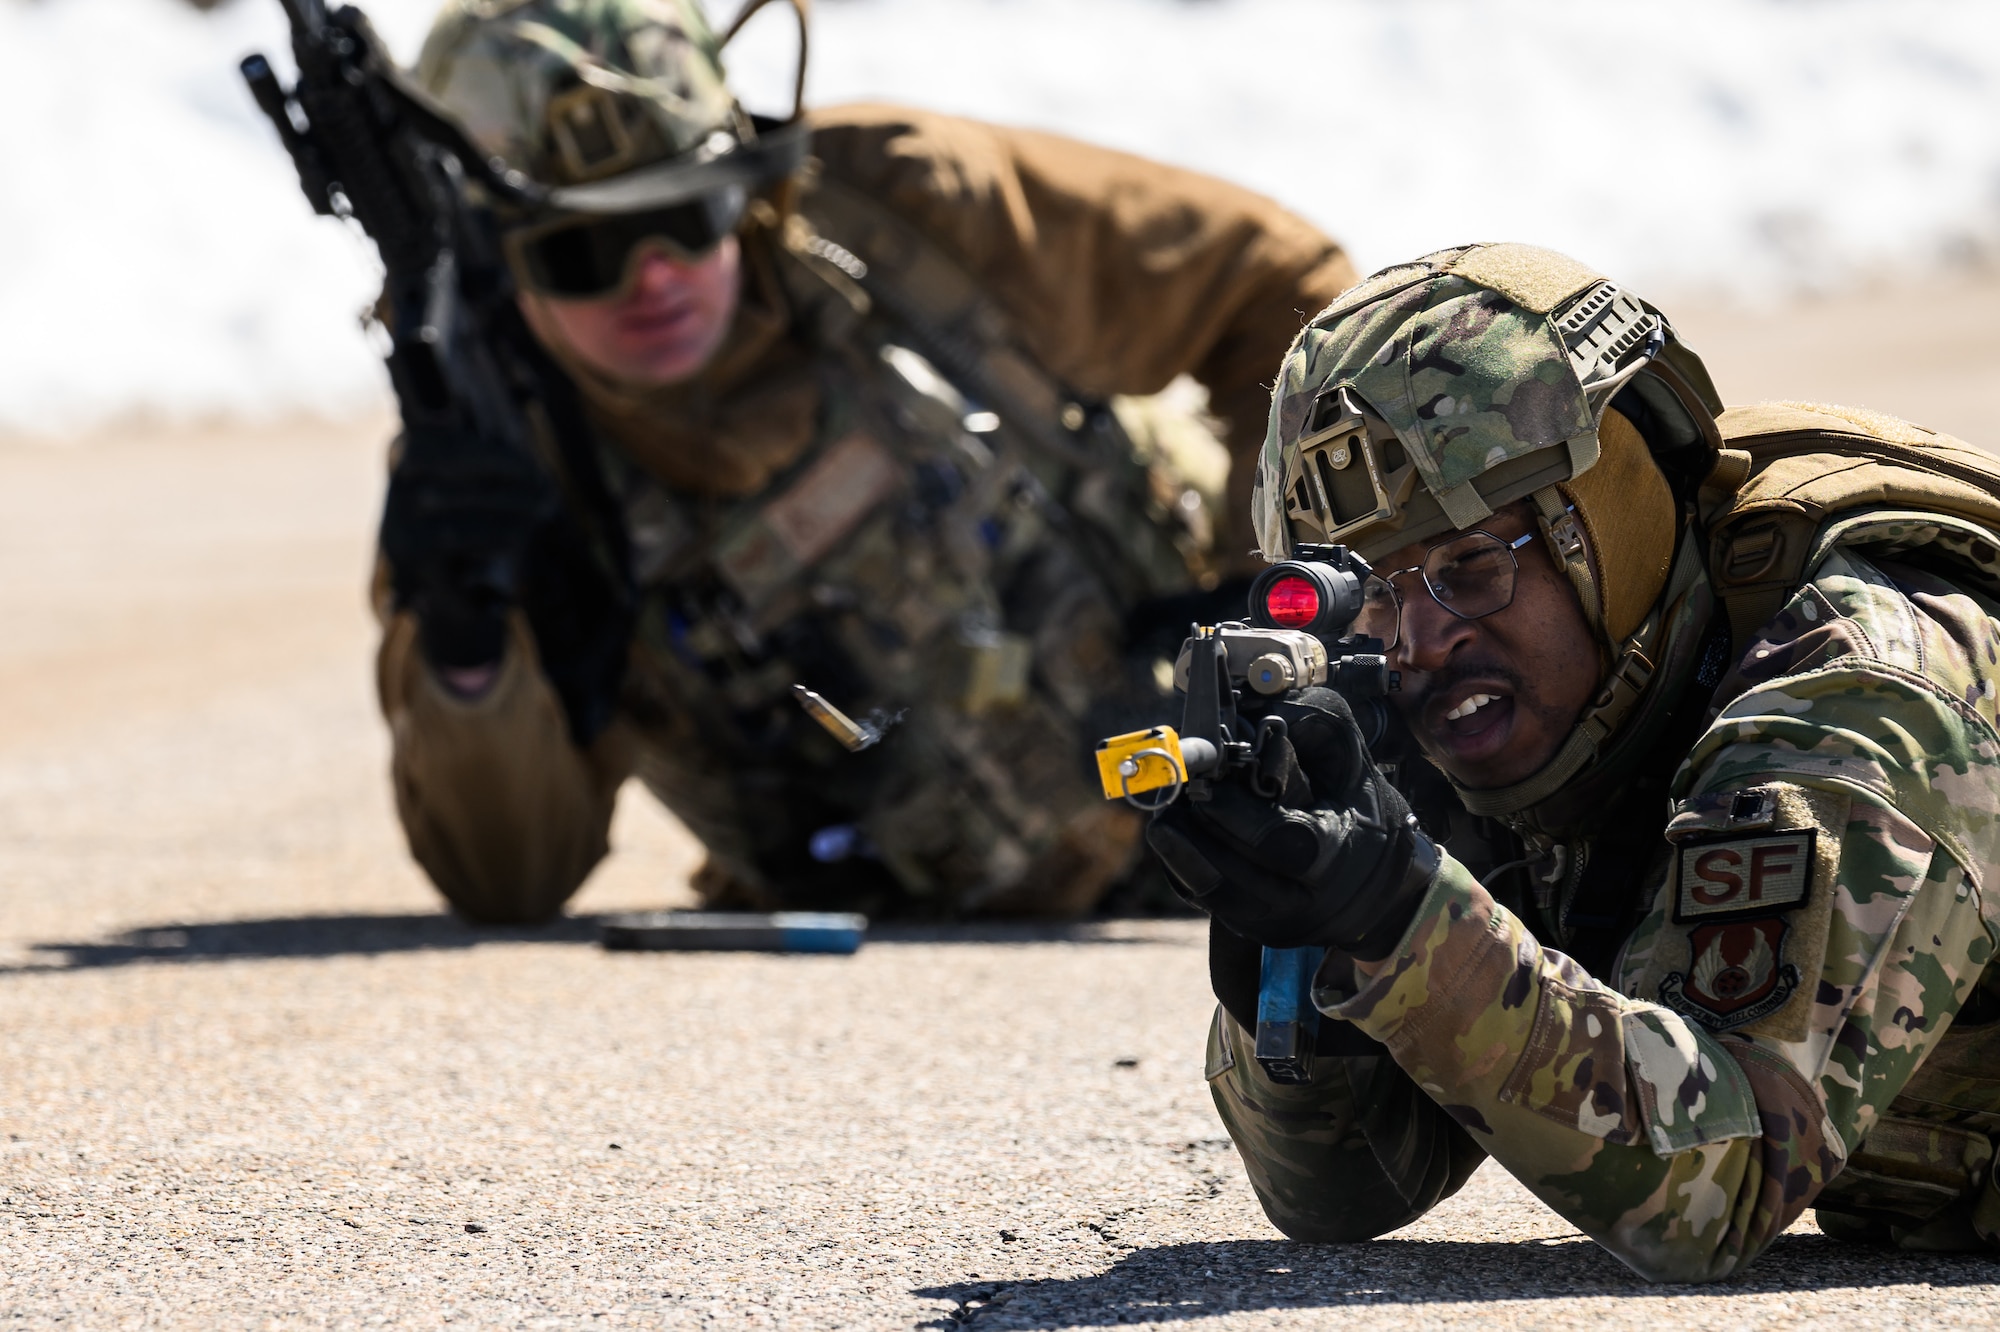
[1435,392]
[617,105]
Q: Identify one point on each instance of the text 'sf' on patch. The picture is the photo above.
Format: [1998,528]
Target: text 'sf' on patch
[1734,877]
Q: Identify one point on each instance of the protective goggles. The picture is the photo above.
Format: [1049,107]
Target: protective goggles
[584,258]
[1471,575]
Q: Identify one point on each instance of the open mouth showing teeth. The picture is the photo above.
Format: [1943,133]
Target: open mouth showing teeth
[1470,706]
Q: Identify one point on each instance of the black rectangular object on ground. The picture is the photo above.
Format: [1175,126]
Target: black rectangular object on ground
[837,932]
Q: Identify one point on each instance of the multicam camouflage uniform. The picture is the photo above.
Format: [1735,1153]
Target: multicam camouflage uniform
[1678,1043]
[903,481]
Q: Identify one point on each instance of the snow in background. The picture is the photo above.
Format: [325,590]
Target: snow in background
[156,256]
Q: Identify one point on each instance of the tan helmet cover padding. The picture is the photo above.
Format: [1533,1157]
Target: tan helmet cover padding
[1627,511]
[1531,277]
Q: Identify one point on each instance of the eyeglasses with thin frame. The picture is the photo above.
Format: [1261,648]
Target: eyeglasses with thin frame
[1471,575]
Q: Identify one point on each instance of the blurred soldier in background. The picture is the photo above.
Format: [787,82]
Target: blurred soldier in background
[1709,705]
[860,427]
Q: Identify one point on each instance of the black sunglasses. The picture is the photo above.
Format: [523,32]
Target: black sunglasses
[591,257]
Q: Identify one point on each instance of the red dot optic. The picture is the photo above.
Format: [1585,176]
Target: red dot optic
[1292,602]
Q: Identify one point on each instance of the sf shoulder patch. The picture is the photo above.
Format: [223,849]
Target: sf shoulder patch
[1745,902]
[1724,876]
[1728,888]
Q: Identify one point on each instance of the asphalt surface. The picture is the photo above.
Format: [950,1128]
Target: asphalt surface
[250,1078]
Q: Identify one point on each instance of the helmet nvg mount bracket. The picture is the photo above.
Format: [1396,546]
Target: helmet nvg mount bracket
[613,106]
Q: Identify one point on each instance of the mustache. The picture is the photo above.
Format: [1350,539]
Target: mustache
[1458,673]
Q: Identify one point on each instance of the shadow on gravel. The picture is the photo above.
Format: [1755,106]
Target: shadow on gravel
[999,932]
[294,936]
[335,936]
[1183,1281]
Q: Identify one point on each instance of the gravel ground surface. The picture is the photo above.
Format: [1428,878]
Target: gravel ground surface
[250,1078]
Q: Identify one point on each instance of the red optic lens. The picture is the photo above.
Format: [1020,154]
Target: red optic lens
[1292,603]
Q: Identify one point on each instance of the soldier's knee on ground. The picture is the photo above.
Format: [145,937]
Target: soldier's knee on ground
[1317,1155]
[505,814]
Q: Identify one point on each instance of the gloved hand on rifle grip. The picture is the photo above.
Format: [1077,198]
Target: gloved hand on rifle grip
[1334,860]
[456,528]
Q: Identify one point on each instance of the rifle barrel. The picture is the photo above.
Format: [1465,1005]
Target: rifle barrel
[306,15]
[270,97]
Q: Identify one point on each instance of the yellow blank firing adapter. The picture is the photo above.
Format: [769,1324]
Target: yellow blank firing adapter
[1142,761]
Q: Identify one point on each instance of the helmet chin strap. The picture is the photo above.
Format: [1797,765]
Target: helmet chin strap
[1624,686]
[1565,537]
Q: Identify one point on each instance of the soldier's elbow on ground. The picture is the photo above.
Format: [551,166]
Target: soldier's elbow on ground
[503,812]
[1670,1250]
[1679,1267]
[502,899]
[502,854]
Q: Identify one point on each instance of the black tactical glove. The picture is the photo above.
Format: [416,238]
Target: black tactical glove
[471,532]
[1334,860]
[456,529]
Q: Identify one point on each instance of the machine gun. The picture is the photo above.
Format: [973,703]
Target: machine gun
[482,404]
[1296,637]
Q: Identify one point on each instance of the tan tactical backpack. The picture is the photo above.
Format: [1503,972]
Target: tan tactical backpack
[1794,477]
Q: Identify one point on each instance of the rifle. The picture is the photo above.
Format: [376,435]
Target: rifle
[370,146]
[1296,637]
[474,524]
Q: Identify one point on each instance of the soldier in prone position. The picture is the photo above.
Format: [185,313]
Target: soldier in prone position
[1681,914]
[857,426]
